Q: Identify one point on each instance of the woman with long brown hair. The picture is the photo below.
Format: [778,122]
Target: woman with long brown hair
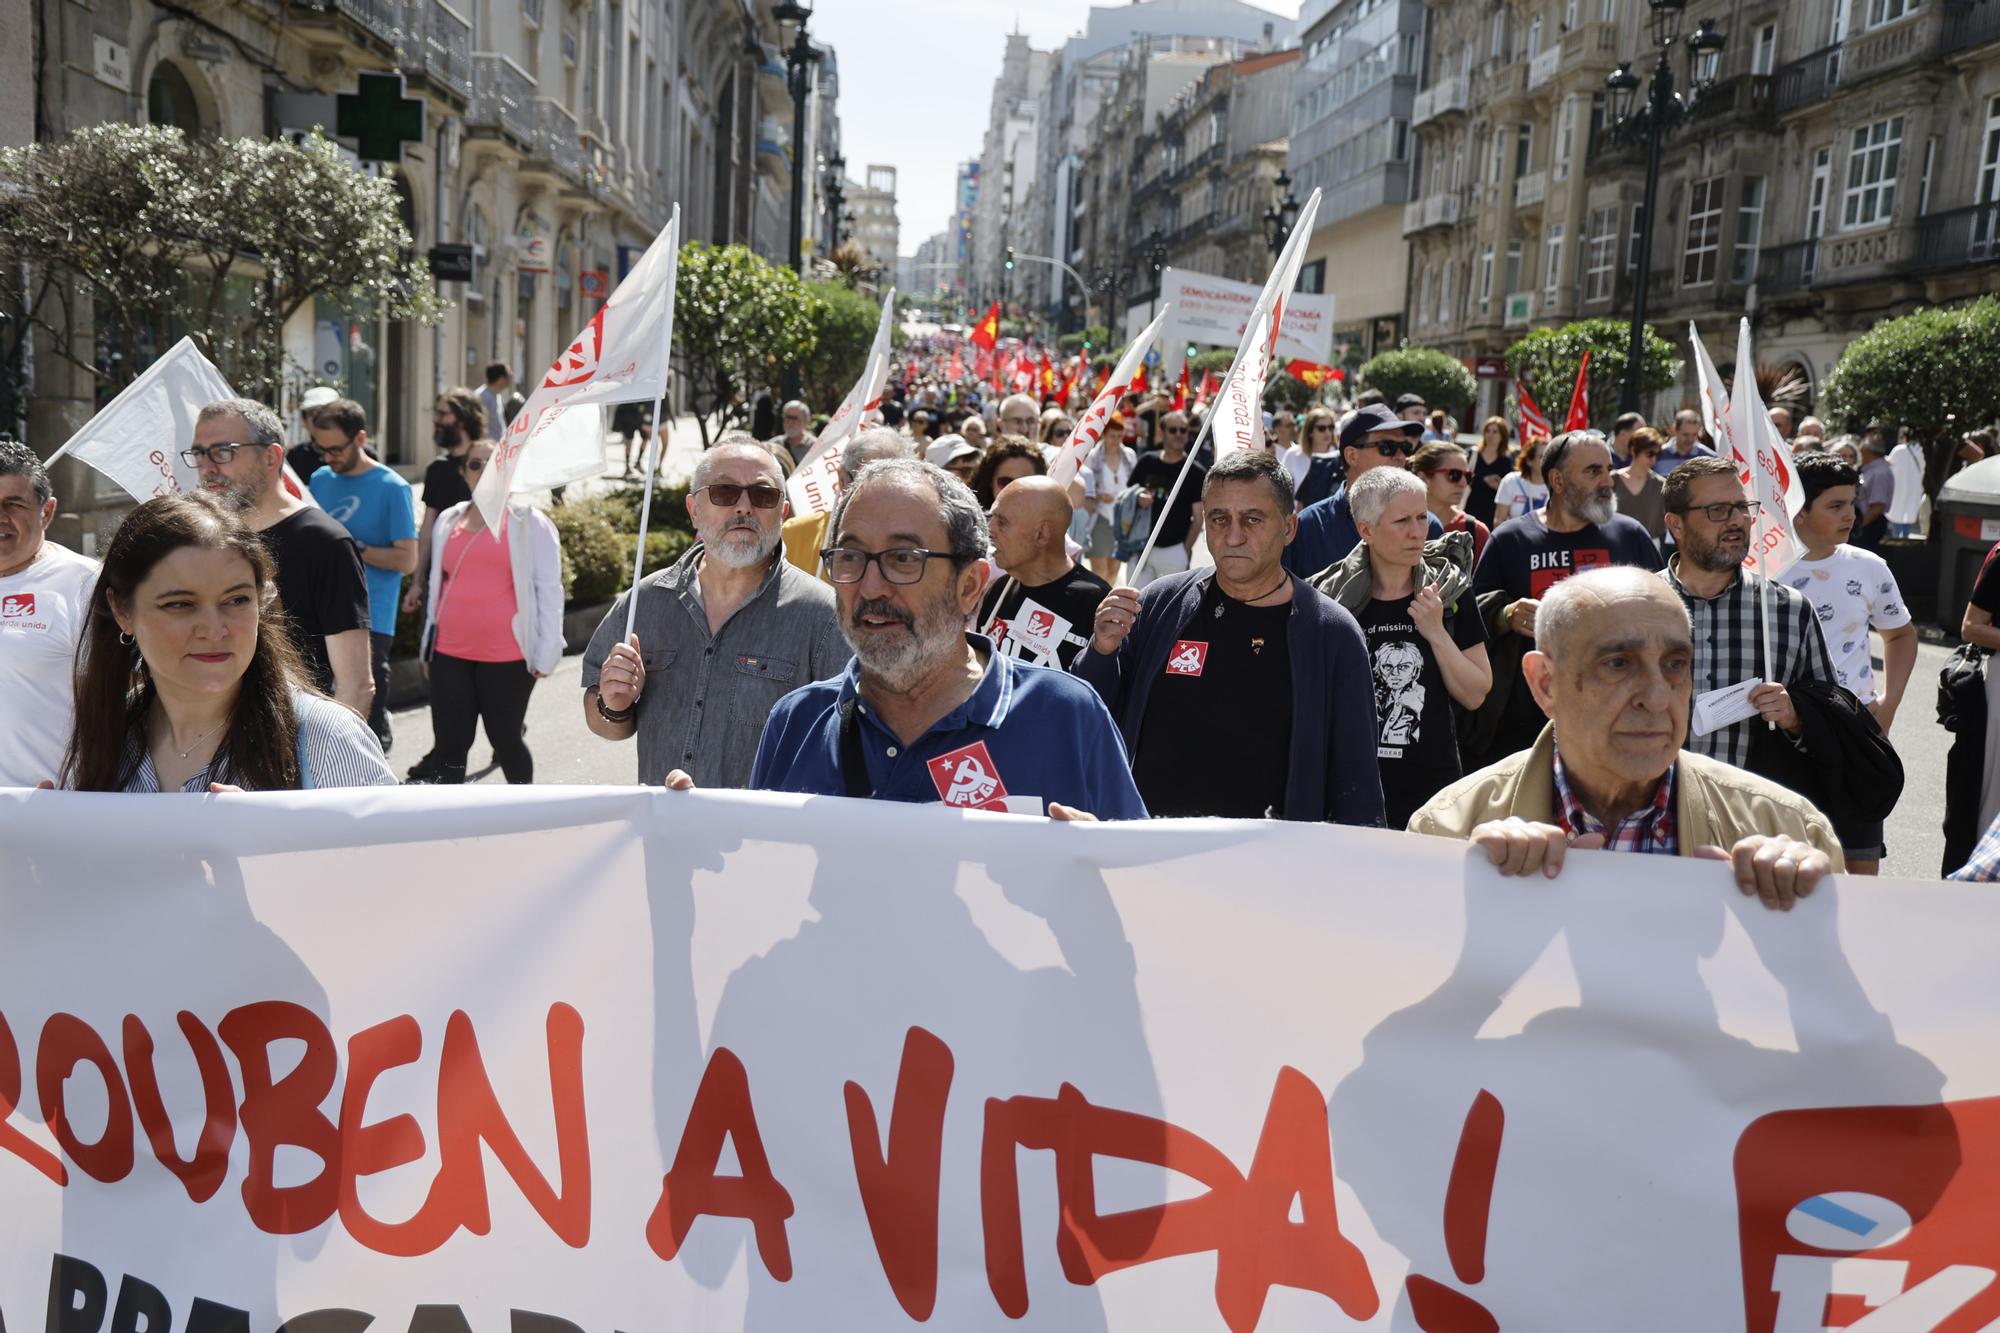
[1492,462]
[187,681]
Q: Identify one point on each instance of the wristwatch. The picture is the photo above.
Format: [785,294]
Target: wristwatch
[613,715]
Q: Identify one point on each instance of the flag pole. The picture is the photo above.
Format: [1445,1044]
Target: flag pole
[653,446]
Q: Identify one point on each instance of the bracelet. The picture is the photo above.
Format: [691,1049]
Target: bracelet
[614,715]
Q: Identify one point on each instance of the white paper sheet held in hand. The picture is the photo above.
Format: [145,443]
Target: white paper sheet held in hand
[1724,707]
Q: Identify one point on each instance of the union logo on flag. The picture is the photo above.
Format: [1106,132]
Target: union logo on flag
[15,605]
[579,364]
[968,778]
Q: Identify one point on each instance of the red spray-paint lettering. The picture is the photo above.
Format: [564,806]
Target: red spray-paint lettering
[899,1189]
[202,1174]
[722,1111]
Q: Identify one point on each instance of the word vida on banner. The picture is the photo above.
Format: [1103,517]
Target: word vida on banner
[636,1059]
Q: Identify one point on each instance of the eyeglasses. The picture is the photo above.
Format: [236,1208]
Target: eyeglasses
[899,564]
[727,493]
[1722,513]
[1454,475]
[218,453]
[1394,448]
[1175,430]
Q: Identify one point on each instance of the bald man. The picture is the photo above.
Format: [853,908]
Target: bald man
[1613,667]
[1039,606]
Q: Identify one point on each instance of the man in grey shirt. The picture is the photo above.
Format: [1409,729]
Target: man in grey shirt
[723,634]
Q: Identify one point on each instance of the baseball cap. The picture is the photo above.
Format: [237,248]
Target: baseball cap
[949,449]
[1410,400]
[1369,419]
[317,397]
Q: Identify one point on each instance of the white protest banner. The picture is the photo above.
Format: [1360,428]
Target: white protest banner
[1091,425]
[815,482]
[650,1061]
[1215,311]
[1238,419]
[620,356]
[137,439]
[1771,479]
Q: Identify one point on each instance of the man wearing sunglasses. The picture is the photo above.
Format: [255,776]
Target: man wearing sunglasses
[239,452]
[928,712]
[721,635]
[1373,437]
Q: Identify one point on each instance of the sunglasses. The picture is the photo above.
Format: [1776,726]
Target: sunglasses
[727,493]
[1454,475]
[1394,448]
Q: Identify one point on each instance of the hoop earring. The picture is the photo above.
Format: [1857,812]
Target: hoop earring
[126,639]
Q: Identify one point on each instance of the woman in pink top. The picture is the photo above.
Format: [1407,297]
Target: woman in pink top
[493,627]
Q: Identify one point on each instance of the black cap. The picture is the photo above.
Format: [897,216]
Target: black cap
[1410,400]
[1367,420]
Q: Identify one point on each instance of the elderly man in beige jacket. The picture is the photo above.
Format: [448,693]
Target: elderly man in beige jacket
[1611,667]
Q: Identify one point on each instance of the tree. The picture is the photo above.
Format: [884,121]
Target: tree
[1934,371]
[1438,379]
[738,322]
[1547,359]
[843,323]
[1216,361]
[133,236]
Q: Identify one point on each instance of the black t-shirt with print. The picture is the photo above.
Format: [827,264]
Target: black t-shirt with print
[1063,614]
[1416,742]
[320,585]
[1156,474]
[1217,735]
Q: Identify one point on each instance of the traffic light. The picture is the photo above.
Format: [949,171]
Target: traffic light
[1010,258]
[1190,355]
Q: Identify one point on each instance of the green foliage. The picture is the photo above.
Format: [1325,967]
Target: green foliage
[600,559]
[1548,358]
[663,547]
[1932,371]
[738,322]
[1217,361]
[1096,335]
[219,239]
[1442,380]
[1282,391]
[1014,328]
[1069,344]
[843,323]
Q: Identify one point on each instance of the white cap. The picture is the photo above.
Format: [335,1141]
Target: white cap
[317,397]
[950,448]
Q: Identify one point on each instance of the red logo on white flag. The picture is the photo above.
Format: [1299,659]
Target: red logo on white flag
[1188,658]
[968,778]
[17,604]
[1040,623]
[579,364]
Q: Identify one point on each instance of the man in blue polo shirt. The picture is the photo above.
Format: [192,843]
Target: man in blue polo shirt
[1373,437]
[378,511]
[927,712]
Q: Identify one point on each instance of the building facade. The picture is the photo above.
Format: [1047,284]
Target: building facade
[873,204]
[1008,162]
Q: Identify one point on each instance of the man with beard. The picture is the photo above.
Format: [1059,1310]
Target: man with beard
[1580,528]
[928,712]
[457,419]
[239,451]
[1710,518]
[721,635]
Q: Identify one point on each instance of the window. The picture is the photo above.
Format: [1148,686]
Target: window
[1552,259]
[1608,12]
[1888,11]
[1924,179]
[1565,137]
[1499,153]
[1486,277]
[1399,140]
[1497,39]
[1534,36]
[1569,15]
[1600,254]
[1513,274]
[1764,55]
[1749,230]
[1872,163]
[1444,307]
[1524,149]
[1424,301]
[1704,232]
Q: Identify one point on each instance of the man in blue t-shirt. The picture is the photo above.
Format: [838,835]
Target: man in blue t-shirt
[927,713]
[378,511]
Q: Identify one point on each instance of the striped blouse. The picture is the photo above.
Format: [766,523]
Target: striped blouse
[336,749]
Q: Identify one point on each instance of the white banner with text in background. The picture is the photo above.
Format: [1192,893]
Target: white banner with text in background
[628,1061]
[1215,311]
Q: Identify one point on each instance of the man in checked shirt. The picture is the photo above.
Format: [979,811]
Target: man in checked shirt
[1711,518]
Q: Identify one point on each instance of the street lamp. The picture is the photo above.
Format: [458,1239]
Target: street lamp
[799,60]
[1648,121]
[1282,215]
[836,195]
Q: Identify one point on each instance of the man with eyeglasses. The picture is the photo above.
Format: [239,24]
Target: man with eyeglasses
[721,635]
[1711,519]
[1021,415]
[928,712]
[1579,528]
[1372,437]
[1154,476]
[376,507]
[239,452]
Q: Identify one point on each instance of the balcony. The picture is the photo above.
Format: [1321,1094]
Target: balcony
[1504,83]
[1784,269]
[437,44]
[1519,310]
[1437,210]
[1531,189]
[555,140]
[1543,67]
[1906,43]
[1958,238]
[1444,98]
[1740,99]
[381,19]
[1810,80]
[1969,25]
[503,98]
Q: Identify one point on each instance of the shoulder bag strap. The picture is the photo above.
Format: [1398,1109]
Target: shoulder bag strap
[853,763]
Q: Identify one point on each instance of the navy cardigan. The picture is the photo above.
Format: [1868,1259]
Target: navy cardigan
[1333,774]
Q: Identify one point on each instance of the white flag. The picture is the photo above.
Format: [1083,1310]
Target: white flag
[816,480]
[620,357]
[1078,446]
[1772,480]
[1239,406]
[137,439]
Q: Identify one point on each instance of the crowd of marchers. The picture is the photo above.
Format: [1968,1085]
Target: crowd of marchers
[1366,619]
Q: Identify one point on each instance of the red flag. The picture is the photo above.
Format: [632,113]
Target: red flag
[1103,378]
[1209,384]
[1048,380]
[957,366]
[1181,389]
[1309,373]
[1534,425]
[1068,385]
[987,332]
[1579,398]
[1139,381]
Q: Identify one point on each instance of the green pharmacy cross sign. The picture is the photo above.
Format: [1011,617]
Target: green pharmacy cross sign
[379,118]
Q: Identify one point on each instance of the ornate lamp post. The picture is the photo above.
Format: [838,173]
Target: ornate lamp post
[799,60]
[836,195]
[1282,215]
[1648,121]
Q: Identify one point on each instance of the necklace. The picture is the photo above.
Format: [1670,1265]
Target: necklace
[197,740]
[1283,579]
